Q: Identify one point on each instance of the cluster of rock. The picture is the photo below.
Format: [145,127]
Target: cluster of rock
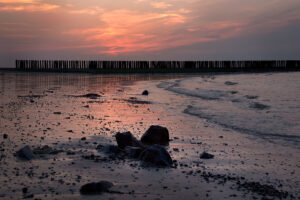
[149,148]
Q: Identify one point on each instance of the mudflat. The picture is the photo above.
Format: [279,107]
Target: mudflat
[226,138]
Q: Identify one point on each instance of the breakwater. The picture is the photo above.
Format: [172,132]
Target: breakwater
[156,66]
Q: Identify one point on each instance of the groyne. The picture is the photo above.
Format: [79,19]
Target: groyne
[156,66]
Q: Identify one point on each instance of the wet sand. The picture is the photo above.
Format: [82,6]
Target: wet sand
[48,109]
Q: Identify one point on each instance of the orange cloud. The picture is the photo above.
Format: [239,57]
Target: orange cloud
[87,11]
[140,31]
[17,1]
[29,8]
[150,31]
[142,25]
[185,11]
[160,4]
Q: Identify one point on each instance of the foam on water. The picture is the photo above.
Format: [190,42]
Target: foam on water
[264,105]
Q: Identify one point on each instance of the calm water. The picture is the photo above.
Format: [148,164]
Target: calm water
[264,105]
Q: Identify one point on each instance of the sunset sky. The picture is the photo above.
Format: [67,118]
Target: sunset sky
[149,29]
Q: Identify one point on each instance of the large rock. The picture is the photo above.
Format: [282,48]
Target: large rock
[126,139]
[156,155]
[133,152]
[156,135]
[25,153]
[95,188]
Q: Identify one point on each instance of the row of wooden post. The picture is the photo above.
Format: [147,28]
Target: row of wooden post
[76,65]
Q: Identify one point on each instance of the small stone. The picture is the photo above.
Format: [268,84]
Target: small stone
[5,136]
[95,188]
[230,83]
[24,190]
[259,106]
[28,196]
[206,155]
[145,92]
[91,96]
[83,138]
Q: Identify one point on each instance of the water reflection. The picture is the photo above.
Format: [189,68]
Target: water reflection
[23,83]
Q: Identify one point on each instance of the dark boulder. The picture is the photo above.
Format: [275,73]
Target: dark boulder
[145,92]
[206,155]
[133,152]
[156,155]
[126,139]
[156,135]
[5,136]
[95,188]
[25,153]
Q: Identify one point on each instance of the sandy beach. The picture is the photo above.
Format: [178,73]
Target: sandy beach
[249,122]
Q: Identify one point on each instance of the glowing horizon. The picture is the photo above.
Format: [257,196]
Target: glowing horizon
[137,29]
